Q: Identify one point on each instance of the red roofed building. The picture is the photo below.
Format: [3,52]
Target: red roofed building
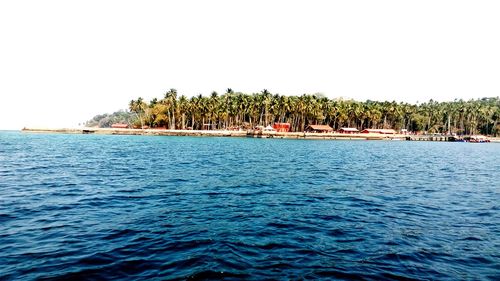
[119,126]
[319,129]
[379,131]
[282,127]
[348,130]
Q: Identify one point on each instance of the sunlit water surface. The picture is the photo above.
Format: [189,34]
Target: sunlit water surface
[133,207]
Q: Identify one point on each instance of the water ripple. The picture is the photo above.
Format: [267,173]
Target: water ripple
[168,208]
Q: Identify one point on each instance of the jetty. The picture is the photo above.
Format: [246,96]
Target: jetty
[431,138]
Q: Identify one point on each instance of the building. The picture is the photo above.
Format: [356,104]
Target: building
[119,126]
[282,127]
[348,130]
[209,127]
[319,129]
[269,129]
[379,131]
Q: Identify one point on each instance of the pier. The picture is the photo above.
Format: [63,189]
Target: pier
[431,138]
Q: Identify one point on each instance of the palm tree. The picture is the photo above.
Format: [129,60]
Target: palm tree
[138,107]
[183,106]
[264,108]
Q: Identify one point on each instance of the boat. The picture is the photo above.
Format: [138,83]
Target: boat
[477,139]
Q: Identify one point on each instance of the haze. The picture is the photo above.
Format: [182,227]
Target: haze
[62,62]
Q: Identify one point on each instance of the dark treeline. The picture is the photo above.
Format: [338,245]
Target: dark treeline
[106,120]
[234,109]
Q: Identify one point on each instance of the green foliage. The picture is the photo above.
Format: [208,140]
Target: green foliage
[234,109]
[106,120]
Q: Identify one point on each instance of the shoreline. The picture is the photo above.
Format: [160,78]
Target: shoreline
[250,134]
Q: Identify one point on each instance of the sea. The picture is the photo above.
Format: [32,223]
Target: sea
[107,207]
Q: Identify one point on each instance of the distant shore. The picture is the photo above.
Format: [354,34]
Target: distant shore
[249,133]
[210,133]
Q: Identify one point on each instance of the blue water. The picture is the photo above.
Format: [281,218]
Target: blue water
[134,207]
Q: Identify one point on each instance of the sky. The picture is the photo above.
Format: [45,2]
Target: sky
[62,62]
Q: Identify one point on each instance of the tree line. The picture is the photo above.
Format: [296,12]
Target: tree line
[106,120]
[239,110]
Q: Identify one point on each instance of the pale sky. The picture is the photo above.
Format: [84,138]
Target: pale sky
[62,62]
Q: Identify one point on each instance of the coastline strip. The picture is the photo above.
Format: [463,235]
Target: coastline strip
[226,133]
